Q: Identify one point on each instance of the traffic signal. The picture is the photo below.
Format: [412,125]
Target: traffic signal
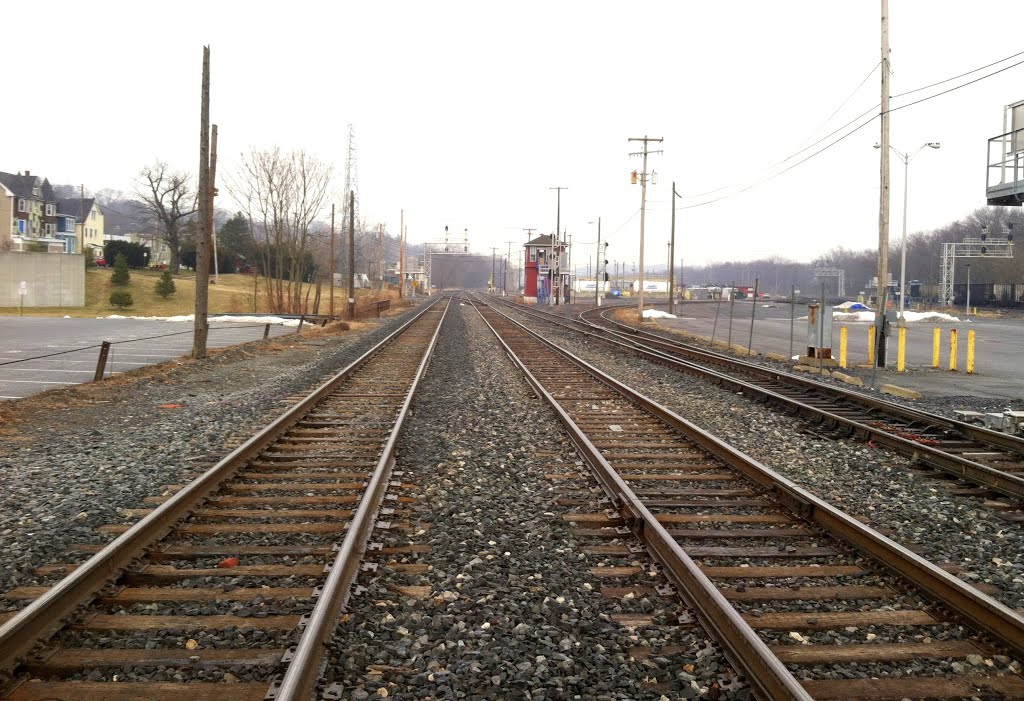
[606,275]
[1009,233]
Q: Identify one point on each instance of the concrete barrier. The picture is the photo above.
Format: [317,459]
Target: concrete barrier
[51,279]
[901,392]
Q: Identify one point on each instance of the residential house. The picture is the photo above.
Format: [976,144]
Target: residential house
[87,222]
[33,223]
[7,206]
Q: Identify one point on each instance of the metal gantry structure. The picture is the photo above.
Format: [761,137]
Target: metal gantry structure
[448,247]
[837,273]
[982,246]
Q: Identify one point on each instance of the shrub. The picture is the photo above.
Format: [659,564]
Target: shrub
[137,254]
[121,298]
[165,285]
[120,276]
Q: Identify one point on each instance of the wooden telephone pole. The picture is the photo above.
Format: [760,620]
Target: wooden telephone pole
[201,326]
[401,254]
[883,204]
[351,255]
[331,284]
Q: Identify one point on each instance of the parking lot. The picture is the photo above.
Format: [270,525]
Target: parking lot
[37,354]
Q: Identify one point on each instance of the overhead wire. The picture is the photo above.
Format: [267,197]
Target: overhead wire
[858,128]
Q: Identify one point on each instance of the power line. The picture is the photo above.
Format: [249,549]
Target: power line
[856,129]
[925,87]
[963,85]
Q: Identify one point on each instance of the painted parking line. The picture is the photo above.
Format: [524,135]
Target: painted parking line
[39,382]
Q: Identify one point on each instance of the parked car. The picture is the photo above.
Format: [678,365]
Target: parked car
[100,262]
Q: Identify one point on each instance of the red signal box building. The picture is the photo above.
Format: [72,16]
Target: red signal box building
[547,272]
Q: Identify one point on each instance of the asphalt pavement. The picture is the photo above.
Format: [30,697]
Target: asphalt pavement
[37,354]
[999,372]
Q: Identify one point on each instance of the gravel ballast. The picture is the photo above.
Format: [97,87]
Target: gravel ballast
[510,607]
[855,476]
[71,460]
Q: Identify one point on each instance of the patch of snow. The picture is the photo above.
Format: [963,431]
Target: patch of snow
[191,317]
[657,314]
[909,317]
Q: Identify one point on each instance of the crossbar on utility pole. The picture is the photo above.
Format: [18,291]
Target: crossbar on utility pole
[643,207]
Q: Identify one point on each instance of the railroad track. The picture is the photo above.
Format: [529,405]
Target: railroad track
[229,588]
[992,461]
[803,598]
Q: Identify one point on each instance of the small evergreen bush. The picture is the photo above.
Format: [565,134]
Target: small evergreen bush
[120,276]
[165,285]
[121,298]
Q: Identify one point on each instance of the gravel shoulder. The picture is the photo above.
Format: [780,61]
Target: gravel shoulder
[72,459]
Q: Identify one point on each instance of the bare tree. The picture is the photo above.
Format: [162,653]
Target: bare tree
[168,199]
[282,194]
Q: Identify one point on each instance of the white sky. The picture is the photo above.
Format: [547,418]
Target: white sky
[466,113]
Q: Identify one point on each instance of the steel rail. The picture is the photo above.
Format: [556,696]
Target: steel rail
[42,617]
[303,673]
[978,433]
[751,656]
[980,611]
[996,480]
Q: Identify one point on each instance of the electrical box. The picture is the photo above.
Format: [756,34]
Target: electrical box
[819,331]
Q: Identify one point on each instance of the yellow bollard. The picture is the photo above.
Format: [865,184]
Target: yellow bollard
[970,352]
[842,346]
[901,352]
[952,350]
[871,346]
[936,342]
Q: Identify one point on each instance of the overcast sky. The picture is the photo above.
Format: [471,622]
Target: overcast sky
[466,113]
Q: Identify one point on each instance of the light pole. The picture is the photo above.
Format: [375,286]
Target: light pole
[643,207]
[906,158]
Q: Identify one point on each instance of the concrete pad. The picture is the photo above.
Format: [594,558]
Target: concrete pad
[901,392]
[848,379]
[812,370]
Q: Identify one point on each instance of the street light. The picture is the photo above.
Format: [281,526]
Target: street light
[906,158]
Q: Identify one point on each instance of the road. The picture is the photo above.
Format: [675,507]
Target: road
[998,370]
[71,347]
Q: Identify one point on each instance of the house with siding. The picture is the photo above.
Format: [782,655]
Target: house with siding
[88,223]
[34,221]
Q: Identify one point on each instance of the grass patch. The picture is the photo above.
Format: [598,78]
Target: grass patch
[233,294]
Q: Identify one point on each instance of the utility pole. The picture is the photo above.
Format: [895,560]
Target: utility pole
[213,193]
[672,256]
[200,325]
[331,267]
[643,207]
[555,246]
[401,254]
[351,254]
[883,204]
[380,255]
[600,257]
[493,251]
[509,262]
